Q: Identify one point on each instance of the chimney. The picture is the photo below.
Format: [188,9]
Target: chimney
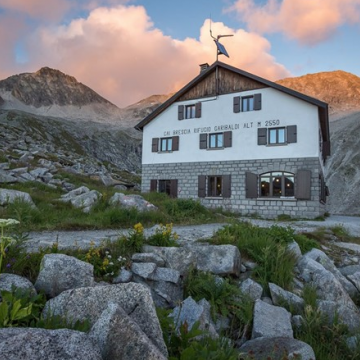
[203,67]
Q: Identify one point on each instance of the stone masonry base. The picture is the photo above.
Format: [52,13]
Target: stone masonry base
[187,176]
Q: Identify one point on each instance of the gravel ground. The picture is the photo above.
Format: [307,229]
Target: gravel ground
[82,239]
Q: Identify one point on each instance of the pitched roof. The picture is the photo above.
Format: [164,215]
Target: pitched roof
[322,106]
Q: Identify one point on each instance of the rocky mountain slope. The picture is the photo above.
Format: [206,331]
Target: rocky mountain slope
[340,89]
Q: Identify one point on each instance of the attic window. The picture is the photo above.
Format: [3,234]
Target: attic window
[190,111]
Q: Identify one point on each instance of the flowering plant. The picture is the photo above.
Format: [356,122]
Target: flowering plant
[164,236]
[5,241]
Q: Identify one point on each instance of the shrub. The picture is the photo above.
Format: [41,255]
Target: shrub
[164,236]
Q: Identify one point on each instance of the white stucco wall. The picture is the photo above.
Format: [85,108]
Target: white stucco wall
[218,112]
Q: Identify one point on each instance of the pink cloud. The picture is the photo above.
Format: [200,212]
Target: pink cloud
[307,21]
[125,63]
[39,9]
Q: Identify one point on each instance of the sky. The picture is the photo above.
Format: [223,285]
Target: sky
[127,50]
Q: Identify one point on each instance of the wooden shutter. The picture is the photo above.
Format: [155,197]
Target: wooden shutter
[291,134]
[326,149]
[303,184]
[251,187]
[198,110]
[175,143]
[201,186]
[262,136]
[173,188]
[155,145]
[153,185]
[257,101]
[226,186]
[203,141]
[228,139]
[181,112]
[236,104]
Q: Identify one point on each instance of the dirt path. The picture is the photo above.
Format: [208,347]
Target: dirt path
[82,239]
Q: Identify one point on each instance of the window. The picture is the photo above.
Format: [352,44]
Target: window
[165,144]
[216,140]
[169,187]
[277,136]
[214,186]
[277,184]
[247,103]
[189,111]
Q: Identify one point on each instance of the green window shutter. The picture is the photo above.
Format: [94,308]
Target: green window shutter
[175,143]
[236,104]
[251,186]
[201,186]
[226,186]
[181,112]
[291,134]
[173,188]
[303,185]
[228,139]
[203,141]
[257,101]
[262,136]
[155,145]
[198,110]
[153,185]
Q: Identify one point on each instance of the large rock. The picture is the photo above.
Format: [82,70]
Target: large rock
[191,312]
[82,198]
[119,337]
[271,321]
[177,258]
[60,272]
[10,196]
[275,348]
[89,303]
[5,177]
[280,296]
[41,344]
[164,283]
[9,282]
[131,201]
[320,257]
[252,289]
[333,298]
[218,259]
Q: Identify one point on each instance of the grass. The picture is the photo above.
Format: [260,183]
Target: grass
[267,247]
[52,214]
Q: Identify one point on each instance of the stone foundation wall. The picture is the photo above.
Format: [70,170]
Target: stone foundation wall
[187,176]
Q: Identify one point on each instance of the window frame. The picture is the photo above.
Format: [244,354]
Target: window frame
[216,136]
[277,131]
[249,104]
[277,192]
[190,111]
[214,186]
[168,141]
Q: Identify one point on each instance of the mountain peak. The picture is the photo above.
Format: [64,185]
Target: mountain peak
[340,89]
[47,87]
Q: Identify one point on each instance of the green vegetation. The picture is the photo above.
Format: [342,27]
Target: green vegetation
[193,344]
[21,308]
[50,213]
[267,247]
